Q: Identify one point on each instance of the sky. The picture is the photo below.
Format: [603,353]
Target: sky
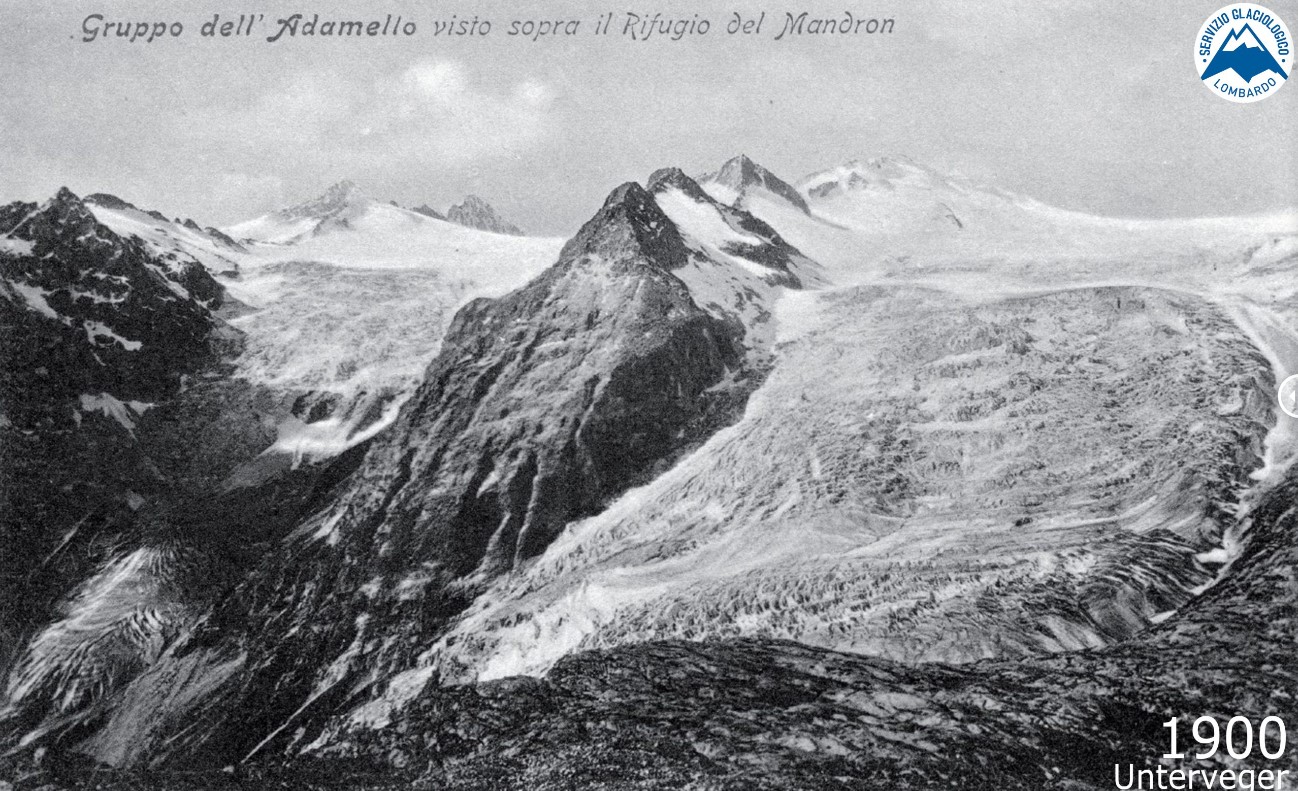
[1092,106]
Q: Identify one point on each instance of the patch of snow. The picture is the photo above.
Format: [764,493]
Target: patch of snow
[124,412]
[35,299]
[98,329]
[702,221]
[95,296]
[1214,556]
[15,247]
[720,193]
[401,689]
[331,436]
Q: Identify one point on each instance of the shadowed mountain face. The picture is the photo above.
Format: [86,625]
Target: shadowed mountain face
[95,331]
[120,422]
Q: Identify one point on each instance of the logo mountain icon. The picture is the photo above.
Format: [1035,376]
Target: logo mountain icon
[1243,53]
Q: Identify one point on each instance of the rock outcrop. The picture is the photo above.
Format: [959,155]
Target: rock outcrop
[474,212]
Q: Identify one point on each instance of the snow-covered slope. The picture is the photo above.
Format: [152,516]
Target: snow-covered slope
[343,299]
[350,299]
[344,207]
[1054,279]
[178,241]
[892,194]
[335,209]
[739,266]
[893,218]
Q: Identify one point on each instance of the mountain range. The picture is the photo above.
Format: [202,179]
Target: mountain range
[345,207]
[886,478]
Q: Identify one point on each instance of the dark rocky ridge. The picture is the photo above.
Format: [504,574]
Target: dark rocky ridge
[109,201]
[541,407]
[428,211]
[121,424]
[89,275]
[95,332]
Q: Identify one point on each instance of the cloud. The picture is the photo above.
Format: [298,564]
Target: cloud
[437,81]
[248,190]
[988,27]
[430,112]
[535,94]
[436,110]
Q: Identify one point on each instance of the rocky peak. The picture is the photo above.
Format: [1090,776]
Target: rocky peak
[72,249]
[62,221]
[474,212]
[98,310]
[666,178]
[338,197]
[429,211]
[541,407]
[884,172]
[223,238]
[630,224]
[108,201]
[742,175]
[740,171]
[341,191]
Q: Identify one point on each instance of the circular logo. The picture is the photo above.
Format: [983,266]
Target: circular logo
[1243,53]
[1288,396]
